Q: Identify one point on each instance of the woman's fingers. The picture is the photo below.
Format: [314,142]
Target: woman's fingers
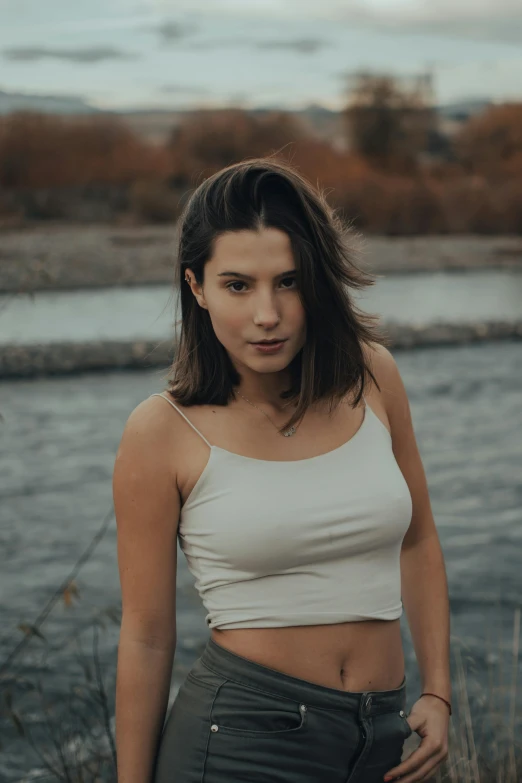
[419,764]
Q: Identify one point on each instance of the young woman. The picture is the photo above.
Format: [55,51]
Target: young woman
[284,446]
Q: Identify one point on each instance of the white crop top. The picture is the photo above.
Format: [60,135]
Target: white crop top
[300,542]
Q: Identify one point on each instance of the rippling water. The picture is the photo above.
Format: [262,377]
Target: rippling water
[59,440]
[149,311]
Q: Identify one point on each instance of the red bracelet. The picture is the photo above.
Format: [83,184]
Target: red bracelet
[425,693]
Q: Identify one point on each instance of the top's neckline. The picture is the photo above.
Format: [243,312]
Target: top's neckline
[305,459]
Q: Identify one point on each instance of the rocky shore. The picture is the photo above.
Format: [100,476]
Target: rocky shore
[68,256]
[30,361]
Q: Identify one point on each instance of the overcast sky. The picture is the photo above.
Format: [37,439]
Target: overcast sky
[178,53]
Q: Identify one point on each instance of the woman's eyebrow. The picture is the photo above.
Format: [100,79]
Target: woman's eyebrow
[250,277]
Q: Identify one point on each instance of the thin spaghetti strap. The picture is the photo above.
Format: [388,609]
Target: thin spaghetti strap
[157,394]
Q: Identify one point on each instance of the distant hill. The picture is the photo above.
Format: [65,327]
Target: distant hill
[155,125]
[73,104]
[52,104]
[463,110]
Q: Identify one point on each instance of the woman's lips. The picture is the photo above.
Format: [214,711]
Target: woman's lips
[269,347]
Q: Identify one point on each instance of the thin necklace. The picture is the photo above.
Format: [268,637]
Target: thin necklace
[291,431]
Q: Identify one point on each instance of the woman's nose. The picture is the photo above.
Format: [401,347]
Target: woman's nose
[266,312]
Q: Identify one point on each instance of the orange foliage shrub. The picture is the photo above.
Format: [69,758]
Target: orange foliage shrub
[206,141]
[393,205]
[97,169]
[325,166]
[491,143]
[39,151]
[153,202]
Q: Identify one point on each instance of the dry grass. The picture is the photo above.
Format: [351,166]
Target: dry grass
[485,747]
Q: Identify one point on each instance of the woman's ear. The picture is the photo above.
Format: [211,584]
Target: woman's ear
[197,290]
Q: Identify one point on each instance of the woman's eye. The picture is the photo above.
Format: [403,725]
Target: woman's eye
[290,282]
[234,282]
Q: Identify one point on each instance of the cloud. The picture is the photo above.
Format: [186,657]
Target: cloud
[184,89]
[170,31]
[496,21]
[301,45]
[91,54]
[82,25]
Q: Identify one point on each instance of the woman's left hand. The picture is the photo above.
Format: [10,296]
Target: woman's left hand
[429,717]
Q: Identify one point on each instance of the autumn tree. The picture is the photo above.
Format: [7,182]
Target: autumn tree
[389,123]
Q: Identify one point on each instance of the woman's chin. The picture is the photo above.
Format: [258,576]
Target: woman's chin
[268,363]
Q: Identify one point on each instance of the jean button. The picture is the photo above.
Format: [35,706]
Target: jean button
[368,703]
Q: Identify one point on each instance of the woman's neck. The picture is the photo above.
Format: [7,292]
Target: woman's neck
[265,389]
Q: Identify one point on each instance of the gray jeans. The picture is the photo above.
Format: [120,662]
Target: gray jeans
[235,721]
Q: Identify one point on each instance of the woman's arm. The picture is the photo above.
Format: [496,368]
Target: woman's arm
[424,584]
[147,505]
[423,573]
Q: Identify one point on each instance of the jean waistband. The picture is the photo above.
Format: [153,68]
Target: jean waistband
[245,671]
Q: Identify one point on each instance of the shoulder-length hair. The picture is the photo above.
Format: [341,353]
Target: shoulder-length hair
[263,192]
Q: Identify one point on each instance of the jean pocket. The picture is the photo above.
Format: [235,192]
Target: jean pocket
[244,711]
[405,724]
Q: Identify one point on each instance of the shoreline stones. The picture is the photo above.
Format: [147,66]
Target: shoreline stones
[65,358]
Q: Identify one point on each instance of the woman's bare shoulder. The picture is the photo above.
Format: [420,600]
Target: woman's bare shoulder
[156,416]
[384,368]
[147,422]
[148,442]
[377,354]
[164,429]
[392,393]
[381,362]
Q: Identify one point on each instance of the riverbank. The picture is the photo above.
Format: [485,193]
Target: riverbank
[65,358]
[58,256]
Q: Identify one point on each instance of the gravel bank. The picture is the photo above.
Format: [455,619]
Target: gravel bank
[65,358]
[65,256]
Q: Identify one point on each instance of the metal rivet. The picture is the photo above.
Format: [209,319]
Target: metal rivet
[401,713]
[213,727]
[303,707]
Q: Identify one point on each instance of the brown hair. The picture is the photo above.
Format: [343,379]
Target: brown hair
[263,192]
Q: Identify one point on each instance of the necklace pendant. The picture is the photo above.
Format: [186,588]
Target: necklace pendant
[289,432]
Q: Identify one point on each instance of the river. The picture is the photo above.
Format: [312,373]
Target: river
[59,440]
[148,312]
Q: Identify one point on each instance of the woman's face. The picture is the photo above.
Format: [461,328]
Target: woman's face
[250,292]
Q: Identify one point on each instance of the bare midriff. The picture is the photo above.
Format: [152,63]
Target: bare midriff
[353,656]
